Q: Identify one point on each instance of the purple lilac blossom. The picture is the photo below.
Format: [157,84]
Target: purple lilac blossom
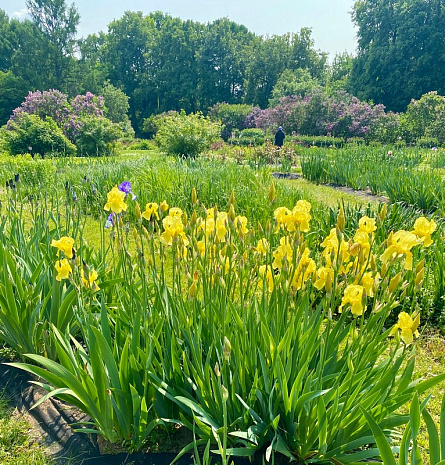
[318,114]
[67,115]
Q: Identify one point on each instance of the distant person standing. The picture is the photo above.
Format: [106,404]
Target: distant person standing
[279,137]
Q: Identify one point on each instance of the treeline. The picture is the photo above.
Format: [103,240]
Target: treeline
[163,63]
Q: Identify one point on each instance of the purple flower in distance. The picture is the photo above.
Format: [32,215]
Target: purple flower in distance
[109,223]
[126,187]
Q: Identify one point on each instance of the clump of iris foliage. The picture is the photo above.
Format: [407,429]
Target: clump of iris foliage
[265,325]
[412,176]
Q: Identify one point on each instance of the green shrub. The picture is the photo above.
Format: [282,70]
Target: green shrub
[252,136]
[151,124]
[232,117]
[31,134]
[186,135]
[97,136]
[387,130]
[428,142]
[141,145]
[436,158]
[424,118]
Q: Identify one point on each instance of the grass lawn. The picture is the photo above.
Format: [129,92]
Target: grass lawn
[18,444]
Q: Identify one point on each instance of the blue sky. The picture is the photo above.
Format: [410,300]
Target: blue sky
[330,20]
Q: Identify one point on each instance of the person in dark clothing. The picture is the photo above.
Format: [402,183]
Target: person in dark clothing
[279,137]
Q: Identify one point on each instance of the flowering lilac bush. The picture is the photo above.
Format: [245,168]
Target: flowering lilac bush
[305,115]
[318,114]
[52,103]
[88,104]
[287,114]
[81,119]
[354,118]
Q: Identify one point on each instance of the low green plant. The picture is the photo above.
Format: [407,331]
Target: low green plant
[315,167]
[401,175]
[30,298]
[31,175]
[183,325]
[437,158]
[428,142]
[318,141]
[200,322]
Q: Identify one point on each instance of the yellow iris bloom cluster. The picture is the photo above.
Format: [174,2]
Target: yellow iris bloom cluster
[297,218]
[64,266]
[348,266]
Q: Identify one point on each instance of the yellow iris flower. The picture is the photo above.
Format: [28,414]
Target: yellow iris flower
[324,274]
[281,214]
[241,225]
[298,217]
[163,206]
[367,224]
[262,246]
[64,244]
[408,327]
[175,211]
[115,201]
[173,228]
[63,268]
[305,269]
[90,283]
[151,211]
[353,295]
[283,252]
[266,275]
[401,243]
[423,229]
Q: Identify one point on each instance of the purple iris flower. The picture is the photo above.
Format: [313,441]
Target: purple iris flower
[109,223]
[126,187]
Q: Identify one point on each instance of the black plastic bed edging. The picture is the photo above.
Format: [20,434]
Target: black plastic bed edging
[151,459]
[54,419]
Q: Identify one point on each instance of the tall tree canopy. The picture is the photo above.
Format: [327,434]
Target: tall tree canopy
[58,23]
[162,63]
[400,50]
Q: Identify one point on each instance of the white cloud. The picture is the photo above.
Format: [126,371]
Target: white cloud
[20,14]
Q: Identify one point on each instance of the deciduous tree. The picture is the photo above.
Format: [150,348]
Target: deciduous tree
[400,50]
